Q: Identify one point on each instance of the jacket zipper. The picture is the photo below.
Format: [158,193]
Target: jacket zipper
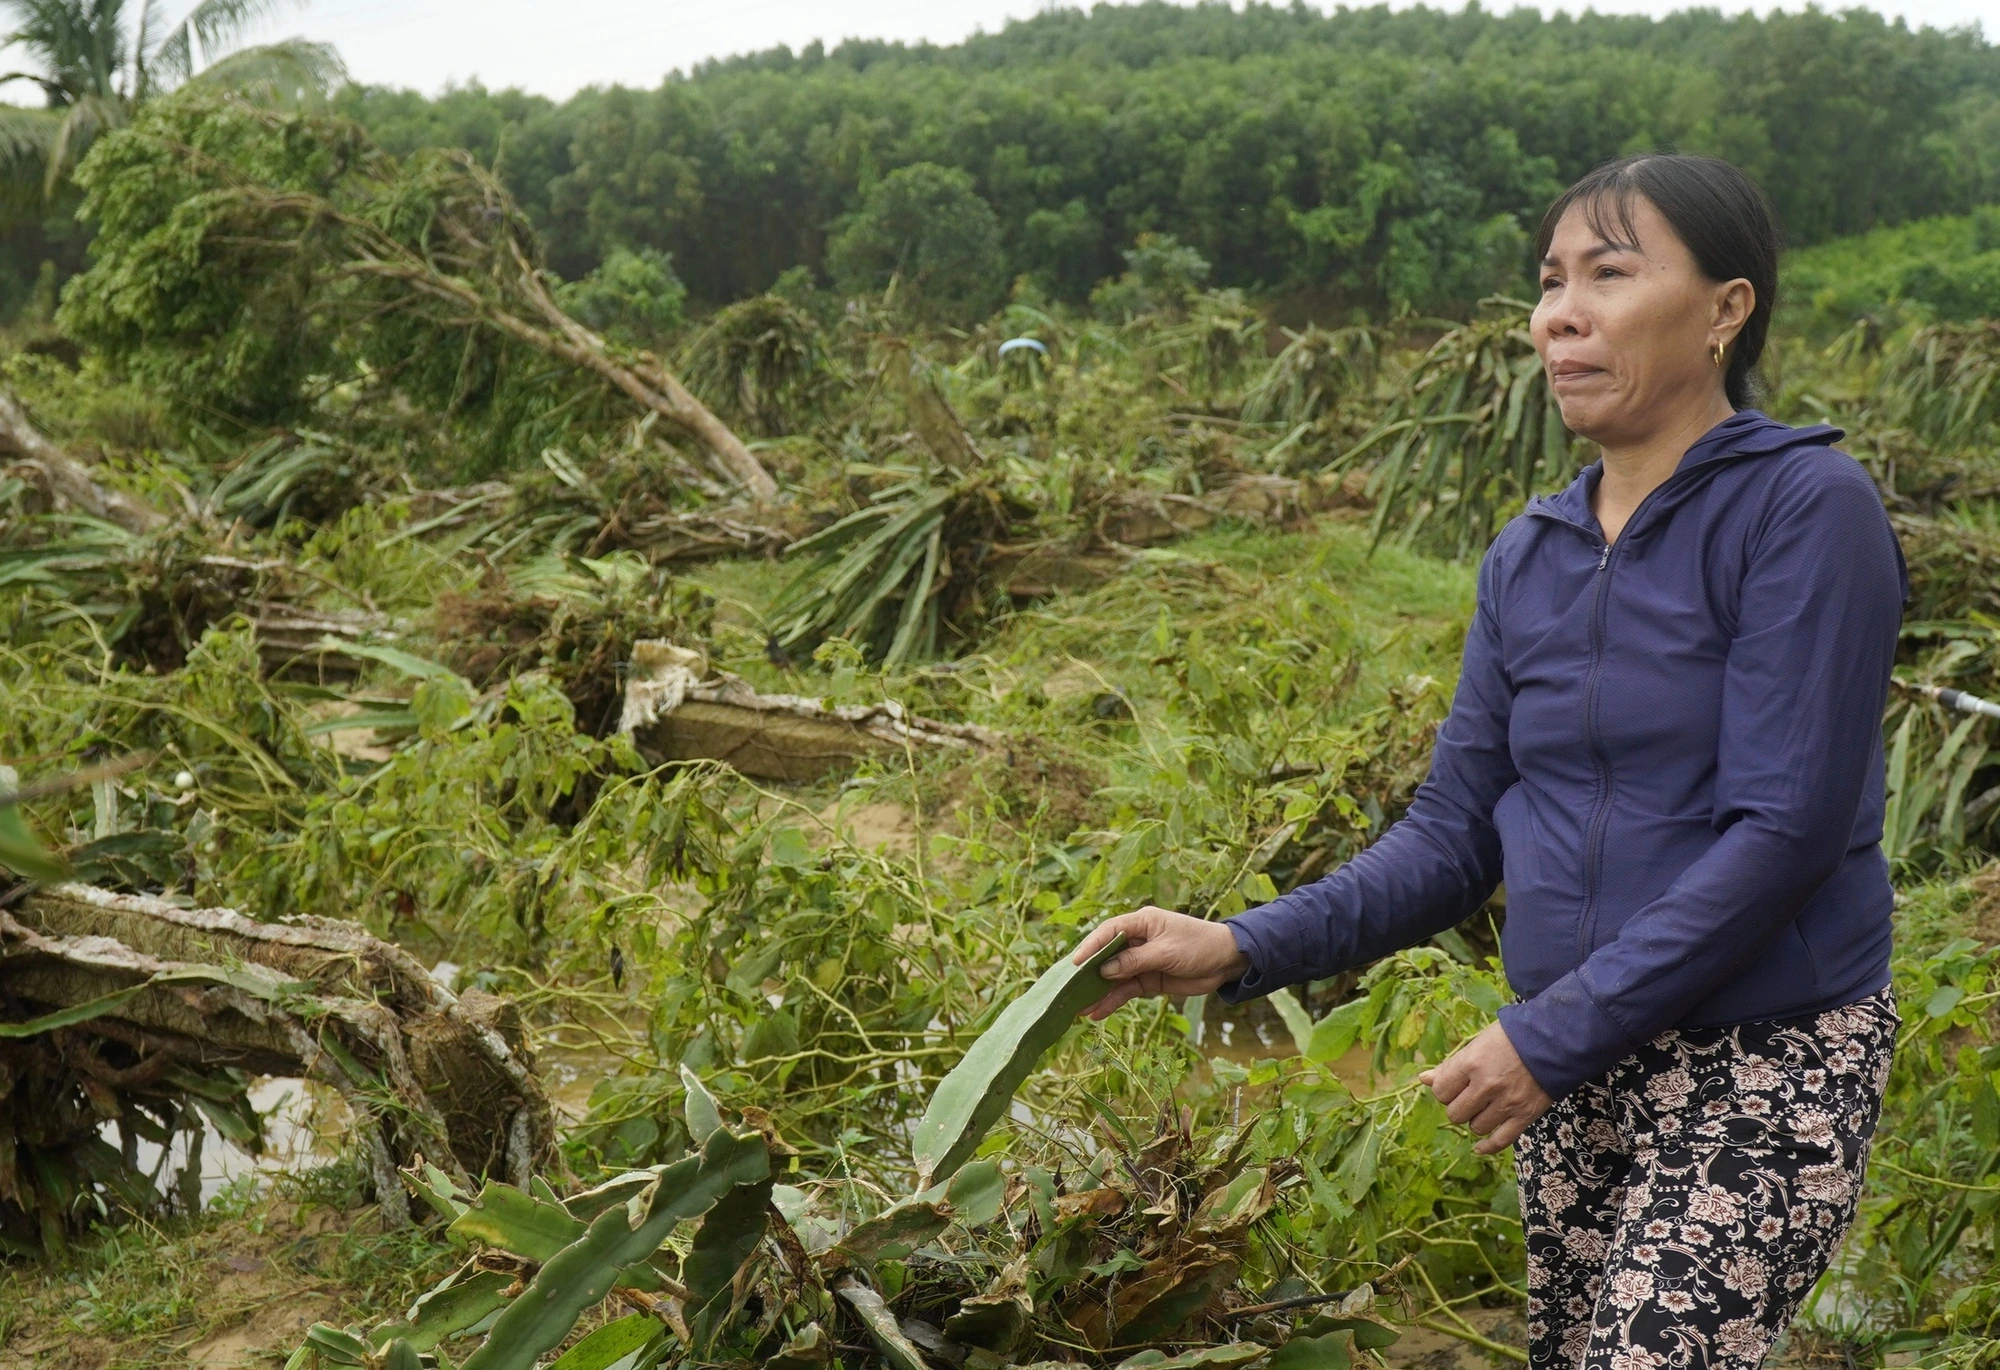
[1600,817]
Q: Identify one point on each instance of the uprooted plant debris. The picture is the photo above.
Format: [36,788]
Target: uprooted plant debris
[740,781]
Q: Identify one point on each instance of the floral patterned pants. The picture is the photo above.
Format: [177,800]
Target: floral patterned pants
[1678,1210]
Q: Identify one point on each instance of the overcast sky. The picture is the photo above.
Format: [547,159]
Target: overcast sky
[555,48]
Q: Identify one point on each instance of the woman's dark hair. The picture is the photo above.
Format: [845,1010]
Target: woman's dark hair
[1716,210]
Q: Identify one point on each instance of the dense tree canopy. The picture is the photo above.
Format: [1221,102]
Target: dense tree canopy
[1386,159]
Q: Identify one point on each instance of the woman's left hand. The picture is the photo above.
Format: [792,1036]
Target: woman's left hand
[1484,1086]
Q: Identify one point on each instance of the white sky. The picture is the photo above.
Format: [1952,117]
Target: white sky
[556,48]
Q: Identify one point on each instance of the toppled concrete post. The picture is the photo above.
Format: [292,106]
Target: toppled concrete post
[677,708]
[125,1007]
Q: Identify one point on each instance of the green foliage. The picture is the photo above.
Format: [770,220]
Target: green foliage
[1385,158]
[1161,276]
[231,330]
[889,576]
[101,60]
[1474,432]
[1201,724]
[981,1087]
[634,297]
[253,265]
[924,228]
[1946,267]
[761,360]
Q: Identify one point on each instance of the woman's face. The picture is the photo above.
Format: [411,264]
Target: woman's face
[1627,330]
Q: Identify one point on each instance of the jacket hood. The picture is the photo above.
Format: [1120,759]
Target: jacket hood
[1746,433]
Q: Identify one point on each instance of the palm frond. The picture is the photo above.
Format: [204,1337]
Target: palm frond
[1212,344]
[50,87]
[26,138]
[214,25]
[263,485]
[294,74]
[142,47]
[79,44]
[81,125]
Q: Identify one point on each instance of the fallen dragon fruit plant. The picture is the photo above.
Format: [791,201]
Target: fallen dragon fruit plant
[1127,1266]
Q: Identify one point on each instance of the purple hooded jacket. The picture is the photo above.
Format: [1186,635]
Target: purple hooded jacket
[1670,748]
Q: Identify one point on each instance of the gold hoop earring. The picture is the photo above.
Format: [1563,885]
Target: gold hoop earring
[1719,355]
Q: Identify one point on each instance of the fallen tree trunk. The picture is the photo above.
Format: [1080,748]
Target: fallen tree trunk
[66,480]
[677,710]
[113,1007]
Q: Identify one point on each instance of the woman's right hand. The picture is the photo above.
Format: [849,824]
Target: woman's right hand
[1165,953]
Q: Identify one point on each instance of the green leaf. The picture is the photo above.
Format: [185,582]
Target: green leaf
[1369,1334]
[977,1192]
[892,1234]
[386,720]
[729,1235]
[1297,1021]
[1120,1262]
[1334,1035]
[502,1216]
[619,1189]
[788,848]
[704,1115]
[1944,1000]
[75,1013]
[404,663]
[1357,1168]
[1482,995]
[775,1034]
[1985,1112]
[612,1343]
[22,854]
[470,1298]
[343,1348]
[881,1324]
[400,1355]
[811,1349]
[436,1188]
[996,1319]
[117,999]
[977,1092]
[578,1277]
[1238,1204]
[1334,1351]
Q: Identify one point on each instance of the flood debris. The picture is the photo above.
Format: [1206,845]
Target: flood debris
[126,1009]
[680,708]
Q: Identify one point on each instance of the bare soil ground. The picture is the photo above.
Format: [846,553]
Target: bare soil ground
[227,1294]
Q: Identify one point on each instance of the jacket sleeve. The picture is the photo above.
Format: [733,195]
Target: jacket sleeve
[1431,868]
[1802,696]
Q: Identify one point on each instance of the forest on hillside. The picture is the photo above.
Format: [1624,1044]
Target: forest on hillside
[1362,159]
[571,672]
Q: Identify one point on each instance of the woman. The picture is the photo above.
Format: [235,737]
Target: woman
[1666,740]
